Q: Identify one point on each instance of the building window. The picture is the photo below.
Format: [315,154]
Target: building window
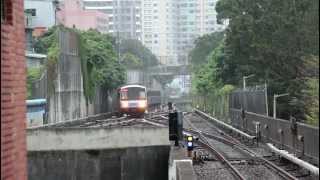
[31,12]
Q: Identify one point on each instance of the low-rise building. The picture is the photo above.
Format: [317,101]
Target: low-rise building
[41,13]
[73,15]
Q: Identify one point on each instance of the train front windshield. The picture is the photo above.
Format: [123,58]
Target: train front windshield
[134,93]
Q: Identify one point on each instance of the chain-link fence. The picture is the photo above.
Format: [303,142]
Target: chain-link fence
[251,99]
[216,105]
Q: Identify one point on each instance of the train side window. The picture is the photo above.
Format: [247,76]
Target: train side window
[142,95]
[124,95]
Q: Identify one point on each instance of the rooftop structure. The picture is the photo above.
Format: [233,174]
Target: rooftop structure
[124,16]
[40,13]
[73,15]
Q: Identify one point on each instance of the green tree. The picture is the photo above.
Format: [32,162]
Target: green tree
[131,61]
[136,48]
[203,46]
[270,38]
[100,62]
[99,65]
[312,101]
[208,77]
[44,42]
[33,74]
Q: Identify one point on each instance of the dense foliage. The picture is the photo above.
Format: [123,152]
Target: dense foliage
[131,61]
[278,41]
[33,74]
[48,44]
[99,61]
[203,46]
[99,65]
[135,55]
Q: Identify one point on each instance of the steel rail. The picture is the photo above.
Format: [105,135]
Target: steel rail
[244,149]
[223,159]
[235,143]
[216,152]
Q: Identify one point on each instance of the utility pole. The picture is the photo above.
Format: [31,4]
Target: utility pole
[266,96]
[244,80]
[118,42]
[275,103]
[56,8]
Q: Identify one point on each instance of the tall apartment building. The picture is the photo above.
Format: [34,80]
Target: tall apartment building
[170,26]
[196,18]
[167,27]
[155,28]
[124,16]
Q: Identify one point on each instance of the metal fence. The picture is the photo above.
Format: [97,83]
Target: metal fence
[252,99]
[215,105]
[39,87]
[279,132]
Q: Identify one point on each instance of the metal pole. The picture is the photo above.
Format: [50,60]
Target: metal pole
[118,38]
[266,96]
[274,103]
[274,106]
[244,80]
[55,16]
[244,83]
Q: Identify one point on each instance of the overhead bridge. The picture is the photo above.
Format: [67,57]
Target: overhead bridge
[169,70]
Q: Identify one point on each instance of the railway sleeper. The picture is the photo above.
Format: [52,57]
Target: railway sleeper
[306,174]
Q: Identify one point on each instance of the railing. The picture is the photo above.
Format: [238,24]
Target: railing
[304,143]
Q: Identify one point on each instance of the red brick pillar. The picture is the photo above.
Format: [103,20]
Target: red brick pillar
[13,92]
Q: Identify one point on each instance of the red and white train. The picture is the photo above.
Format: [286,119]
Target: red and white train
[132,100]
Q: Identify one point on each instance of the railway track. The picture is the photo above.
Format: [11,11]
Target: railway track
[212,137]
[230,158]
[110,120]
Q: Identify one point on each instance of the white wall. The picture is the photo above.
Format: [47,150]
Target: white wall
[95,138]
[44,12]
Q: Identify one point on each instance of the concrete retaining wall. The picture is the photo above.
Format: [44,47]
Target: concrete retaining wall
[140,163]
[180,166]
[67,100]
[49,139]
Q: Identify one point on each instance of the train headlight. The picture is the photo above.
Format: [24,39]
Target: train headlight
[124,104]
[142,104]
